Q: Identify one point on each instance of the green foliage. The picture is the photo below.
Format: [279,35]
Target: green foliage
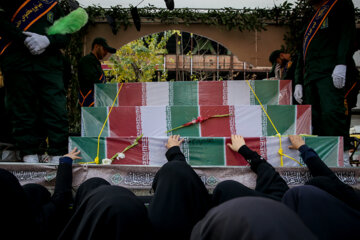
[139,60]
[297,21]
[294,15]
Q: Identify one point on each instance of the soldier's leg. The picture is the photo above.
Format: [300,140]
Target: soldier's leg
[332,115]
[351,94]
[311,97]
[21,103]
[54,114]
[5,125]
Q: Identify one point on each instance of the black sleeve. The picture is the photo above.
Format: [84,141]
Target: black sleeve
[252,157]
[346,18]
[316,166]
[59,41]
[268,179]
[62,196]
[175,154]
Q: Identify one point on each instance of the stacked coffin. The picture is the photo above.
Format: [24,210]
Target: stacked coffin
[153,110]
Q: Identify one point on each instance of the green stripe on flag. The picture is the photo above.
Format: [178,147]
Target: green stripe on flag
[283,118]
[184,93]
[88,148]
[181,115]
[267,92]
[105,94]
[206,151]
[92,121]
[325,147]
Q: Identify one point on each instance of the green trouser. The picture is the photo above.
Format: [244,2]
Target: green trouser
[351,100]
[5,125]
[327,105]
[36,104]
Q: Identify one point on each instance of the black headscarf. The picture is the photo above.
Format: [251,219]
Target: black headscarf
[109,212]
[37,194]
[326,216]
[338,189]
[180,201]
[86,187]
[16,221]
[252,218]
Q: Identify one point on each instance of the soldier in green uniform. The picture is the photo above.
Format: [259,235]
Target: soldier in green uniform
[90,71]
[325,65]
[32,65]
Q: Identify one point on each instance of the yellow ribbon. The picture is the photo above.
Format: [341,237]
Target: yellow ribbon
[281,151]
[96,160]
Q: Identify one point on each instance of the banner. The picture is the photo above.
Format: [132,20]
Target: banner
[206,151]
[248,121]
[139,178]
[270,92]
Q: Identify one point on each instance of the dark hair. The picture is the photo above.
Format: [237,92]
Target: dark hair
[102,42]
[274,55]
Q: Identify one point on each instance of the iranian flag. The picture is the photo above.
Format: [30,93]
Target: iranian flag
[248,121]
[150,151]
[270,92]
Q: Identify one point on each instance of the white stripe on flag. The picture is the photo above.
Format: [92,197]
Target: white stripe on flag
[157,151]
[238,93]
[153,121]
[248,121]
[157,93]
[273,157]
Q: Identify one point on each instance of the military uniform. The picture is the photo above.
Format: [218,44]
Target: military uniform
[35,94]
[89,73]
[289,70]
[332,45]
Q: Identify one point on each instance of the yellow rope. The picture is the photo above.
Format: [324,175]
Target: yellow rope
[281,152]
[96,160]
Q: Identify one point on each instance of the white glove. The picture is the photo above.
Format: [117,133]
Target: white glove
[36,43]
[277,71]
[339,76]
[298,93]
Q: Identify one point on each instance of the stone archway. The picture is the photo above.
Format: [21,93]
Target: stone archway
[252,47]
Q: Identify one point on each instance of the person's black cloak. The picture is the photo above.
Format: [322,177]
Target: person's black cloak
[326,216]
[86,187]
[180,198]
[16,221]
[269,183]
[252,218]
[52,212]
[109,212]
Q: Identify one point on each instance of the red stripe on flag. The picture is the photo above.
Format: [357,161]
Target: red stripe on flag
[131,95]
[123,122]
[215,127]
[210,93]
[235,158]
[303,119]
[133,156]
[341,152]
[285,96]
